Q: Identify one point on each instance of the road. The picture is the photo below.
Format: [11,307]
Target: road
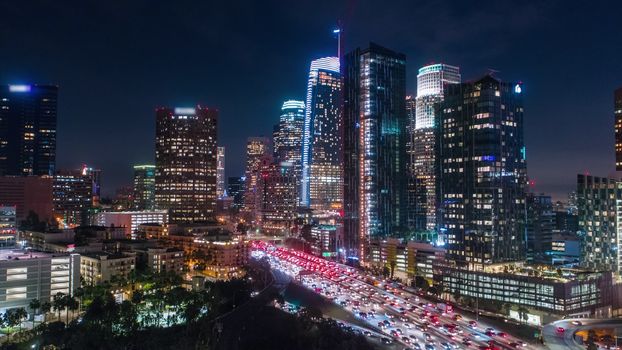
[406,319]
[557,340]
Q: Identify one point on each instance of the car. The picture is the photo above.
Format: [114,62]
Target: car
[406,340]
[446,346]
[399,331]
[408,325]
[457,317]
[515,345]
[502,334]
[472,324]
[427,336]
[560,330]
[395,334]
[467,341]
[386,341]
[577,323]
[416,346]
[429,347]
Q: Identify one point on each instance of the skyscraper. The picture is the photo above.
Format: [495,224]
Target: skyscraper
[430,86]
[411,109]
[600,220]
[288,136]
[220,173]
[321,187]
[186,162]
[617,110]
[235,189]
[28,129]
[257,148]
[72,192]
[481,171]
[277,197]
[375,137]
[539,227]
[144,187]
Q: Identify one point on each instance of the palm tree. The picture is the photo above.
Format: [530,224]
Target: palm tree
[20,315]
[45,308]
[72,305]
[58,303]
[34,305]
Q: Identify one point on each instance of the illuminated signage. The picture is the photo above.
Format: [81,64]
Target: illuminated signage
[19,88]
[185,110]
[518,89]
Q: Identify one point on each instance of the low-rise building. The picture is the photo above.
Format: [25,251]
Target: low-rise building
[28,274]
[324,240]
[131,220]
[163,260]
[8,225]
[409,259]
[100,267]
[547,294]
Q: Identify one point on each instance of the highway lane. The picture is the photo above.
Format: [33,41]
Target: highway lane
[353,291]
[557,340]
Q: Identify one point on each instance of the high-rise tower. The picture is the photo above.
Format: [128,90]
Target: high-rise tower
[220,173]
[617,110]
[288,137]
[28,129]
[481,171]
[431,81]
[321,186]
[375,197]
[186,162]
[144,187]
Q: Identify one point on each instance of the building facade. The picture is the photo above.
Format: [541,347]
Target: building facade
[220,173]
[600,222]
[28,275]
[539,227]
[144,187]
[235,189]
[321,187]
[375,180]
[481,171]
[617,112]
[28,194]
[258,149]
[277,198]
[431,81]
[288,136]
[73,197]
[28,129]
[186,162]
[97,268]
[131,220]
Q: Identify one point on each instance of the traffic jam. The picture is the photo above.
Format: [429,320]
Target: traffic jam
[405,318]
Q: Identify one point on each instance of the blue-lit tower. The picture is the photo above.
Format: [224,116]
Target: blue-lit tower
[321,185]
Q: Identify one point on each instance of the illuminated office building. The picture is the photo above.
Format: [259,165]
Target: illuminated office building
[277,199]
[288,136]
[257,148]
[220,173]
[481,171]
[600,222]
[144,187]
[430,86]
[28,129]
[235,190]
[375,180]
[321,187]
[617,109]
[72,193]
[539,227]
[186,163]
[411,109]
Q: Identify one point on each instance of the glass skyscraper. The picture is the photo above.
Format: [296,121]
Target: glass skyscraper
[617,110]
[375,137]
[321,186]
[186,162]
[481,172]
[144,187]
[288,137]
[430,86]
[28,129]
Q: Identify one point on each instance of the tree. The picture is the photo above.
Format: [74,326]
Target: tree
[72,305]
[522,312]
[34,305]
[45,308]
[58,303]
[392,265]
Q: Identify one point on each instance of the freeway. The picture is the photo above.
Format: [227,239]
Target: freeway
[404,317]
[560,334]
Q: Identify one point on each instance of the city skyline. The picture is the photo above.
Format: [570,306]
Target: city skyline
[132,91]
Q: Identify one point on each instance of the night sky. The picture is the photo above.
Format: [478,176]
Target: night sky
[115,61]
